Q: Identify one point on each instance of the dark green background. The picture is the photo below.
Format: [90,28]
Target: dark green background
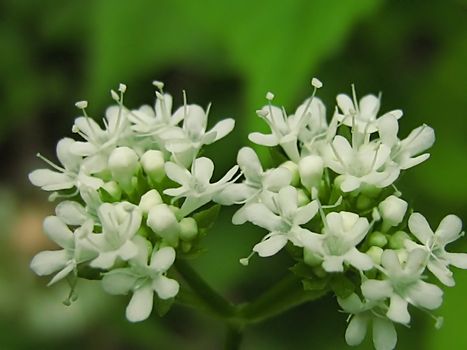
[231,53]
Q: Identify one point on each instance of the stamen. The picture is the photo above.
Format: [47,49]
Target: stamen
[246,261]
[354,96]
[49,162]
[158,84]
[185,106]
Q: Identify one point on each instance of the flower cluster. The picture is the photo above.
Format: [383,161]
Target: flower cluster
[332,203]
[135,194]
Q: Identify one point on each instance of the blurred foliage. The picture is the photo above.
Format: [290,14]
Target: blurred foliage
[230,53]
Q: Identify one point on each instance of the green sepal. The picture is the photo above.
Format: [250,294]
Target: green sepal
[341,285]
[206,218]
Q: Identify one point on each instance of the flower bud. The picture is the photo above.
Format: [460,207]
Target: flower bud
[375,254]
[377,239]
[148,200]
[311,169]
[310,258]
[123,164]
[188,229]
[303,199]
[164,223]
[153,164]
[113,190]
[293,168]
[397,240]
[392,210]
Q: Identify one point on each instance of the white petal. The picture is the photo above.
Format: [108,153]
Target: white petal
[419,140]
[250,164]
[426,295]
[104,260]
[411,162]
[202,169]
[359,260]
[350,183]
[449,229]
[376,290]
[72,213]
[140,305]
[165,288]
[352,304]
[345,103]
[398,310]
[390,262]
[163,259]
[343,149]
[384,334]
[356,330]
[119,281]
[369,107]
[128,250]
[271,245]
[288,198]
[420,227]
[333,263]
[235,194]
[49,261]
[195,121]
[306,213]
[262,216]
[457,259]
[223,128]
[388,128]
[57,231]
[83,149]
[277,178]
[269,140]
[177,173]
[440,270]
[62,274]
[50,180]
[69,160]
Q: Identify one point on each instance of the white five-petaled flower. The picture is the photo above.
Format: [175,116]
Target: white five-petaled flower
[256,182]
[362,116]
[195,185]
[403,285]
[76,249]
[282,217]
[406,152]
[384,332]
[341,234]
[434,243]
[143,277]
[120,222]
[186,142]
[72,174]
[285,130]
[99,143]
[368,163]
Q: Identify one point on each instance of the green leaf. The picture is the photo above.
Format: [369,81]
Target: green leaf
[315,284]
[341,285]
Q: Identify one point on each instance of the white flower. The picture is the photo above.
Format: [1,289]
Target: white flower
[362,117]
[99,143]
[70,175]
[75,250]
[143,278]
[434,243]
[256,182]
[406,152]
[119,225]
[285,130]
[196,186]
[341,233]
[403,285]
[282,218]
[186,144]
[384,332]
[367,164]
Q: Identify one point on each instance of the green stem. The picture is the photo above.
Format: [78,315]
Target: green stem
[285,295]
[233,338]
[208,296]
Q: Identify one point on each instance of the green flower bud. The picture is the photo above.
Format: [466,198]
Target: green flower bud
[377,239]
[303,198]
[310,258]
[364,202]
[375,254]
[396,241]
[186,247]
[188,229]
[293,168]
[163,222]
[149,200]
[113,189]
[311,170]
[153,164]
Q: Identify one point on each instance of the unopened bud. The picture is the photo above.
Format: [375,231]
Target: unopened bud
[113,190]
[293,168]
[392,210]
[164,223]
[377,239]
[153,164]
[148,200]
[188,229]
[123,164]
[397,240]
[375,254]
[311,169]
